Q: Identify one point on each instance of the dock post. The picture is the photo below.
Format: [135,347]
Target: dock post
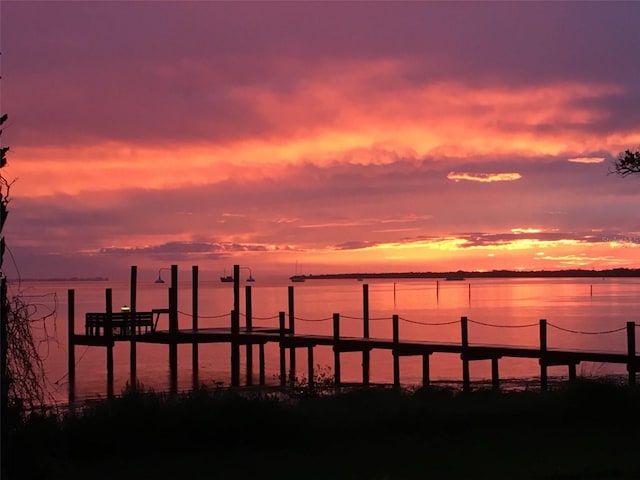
[72,346]
[336,349]
[495,375]
[572,371]
[396,356]
[236,288]
[631,350]
[133,354]
[261,360]
[466,378]
[310,366]
[283,357]
[249,325]
[235,349]
[173,331]
[108,335]
[366,354]
[292,350]
[194,324]
[425,370]
[543,352]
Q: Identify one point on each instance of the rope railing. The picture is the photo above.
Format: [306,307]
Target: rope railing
[313,319]
[580,332]
[522,325]
[430,324]
[186,314]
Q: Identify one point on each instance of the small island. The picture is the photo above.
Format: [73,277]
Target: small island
[462,274]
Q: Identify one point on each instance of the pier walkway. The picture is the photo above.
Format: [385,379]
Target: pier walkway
[105,329]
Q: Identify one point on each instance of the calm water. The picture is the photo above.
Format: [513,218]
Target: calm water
[508,305]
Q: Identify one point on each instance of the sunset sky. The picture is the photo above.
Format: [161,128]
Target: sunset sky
[341,137]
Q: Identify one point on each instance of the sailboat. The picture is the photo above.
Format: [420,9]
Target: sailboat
[297,277]
[226,278]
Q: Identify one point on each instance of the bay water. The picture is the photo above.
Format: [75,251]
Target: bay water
[582,314]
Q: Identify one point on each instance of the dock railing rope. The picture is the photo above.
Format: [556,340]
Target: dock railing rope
[581,332]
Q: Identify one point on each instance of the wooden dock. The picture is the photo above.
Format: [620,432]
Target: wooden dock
[104,329]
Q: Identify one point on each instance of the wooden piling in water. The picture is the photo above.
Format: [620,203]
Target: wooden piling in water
[261,374]
[292,350]
[425,370]
[310,371]
[495,374]
[366,354]
[133,354]
[631,351]
[396,356]
[543,352]
[283,359]
[466,379]
[235,349]
[194,323]
[108,334]
[248,308]
[173,330]
[71,365]
[336,350]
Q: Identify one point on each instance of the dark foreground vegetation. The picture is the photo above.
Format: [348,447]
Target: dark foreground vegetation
[587,430]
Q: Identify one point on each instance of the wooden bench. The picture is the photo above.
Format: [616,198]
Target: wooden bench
[121,324]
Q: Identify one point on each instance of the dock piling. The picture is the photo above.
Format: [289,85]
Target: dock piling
[543,352]
[133,354]
[194,323]
[336,349]
[366,354]
[173,330]
[249,325]
[72,348]
[108,333]
[292,350]
[395,353]
[464,330]
[283,359]
[631,351]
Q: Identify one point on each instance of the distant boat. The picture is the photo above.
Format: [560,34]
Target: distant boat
[297,277]
[250,279]
[451,278]
[226,278]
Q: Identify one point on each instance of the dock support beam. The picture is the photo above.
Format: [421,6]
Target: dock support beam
[133,354]
[173,331]
[543,350]
[194,324]
[249,325]
[336,350]
[72,347]
[310,372]
[366,354]
[466,379]
[495,375]
[283,356]
[262,367]
[396,354]
[235,349]
[292,350]
[426,380]
[631,350]
[108,333]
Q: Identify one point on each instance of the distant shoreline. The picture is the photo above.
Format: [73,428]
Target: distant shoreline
[62,279]
[461,274]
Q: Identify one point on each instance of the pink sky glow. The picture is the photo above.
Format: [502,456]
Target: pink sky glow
[343,137]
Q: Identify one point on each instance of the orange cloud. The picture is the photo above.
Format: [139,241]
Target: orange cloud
[586,159]
[484,177]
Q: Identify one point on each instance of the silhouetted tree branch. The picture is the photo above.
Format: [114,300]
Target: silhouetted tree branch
[627,163]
